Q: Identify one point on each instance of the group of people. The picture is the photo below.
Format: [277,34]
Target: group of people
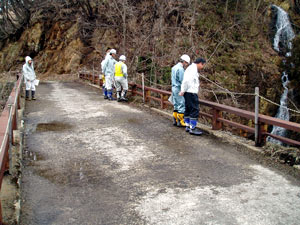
[185,88]
[115,74]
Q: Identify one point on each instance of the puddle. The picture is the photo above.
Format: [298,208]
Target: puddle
[53,126]
[75,174]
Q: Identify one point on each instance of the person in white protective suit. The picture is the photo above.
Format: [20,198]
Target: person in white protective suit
[103,76]
[29,78]
[121,79]
[178,101]
[108,69]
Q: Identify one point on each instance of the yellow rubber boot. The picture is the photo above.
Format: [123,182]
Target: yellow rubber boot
[175,118]
[180,120]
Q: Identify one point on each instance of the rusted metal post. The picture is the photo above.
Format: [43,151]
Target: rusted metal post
[15,119]
[216,125]
[143,87]
[162,101]
[10,135]
[257,130]
[261,138]
[18,99]
[148,93]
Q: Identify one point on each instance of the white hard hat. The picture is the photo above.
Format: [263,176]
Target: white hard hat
[186,58]
[113,51]
[122,57]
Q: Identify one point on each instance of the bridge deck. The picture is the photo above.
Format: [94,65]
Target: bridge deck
[90,161]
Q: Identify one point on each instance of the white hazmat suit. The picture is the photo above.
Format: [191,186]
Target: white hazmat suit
[29,74]
[29,78]
[121,80]
[108,69]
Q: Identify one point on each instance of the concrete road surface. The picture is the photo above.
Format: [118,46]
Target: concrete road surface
[91,161]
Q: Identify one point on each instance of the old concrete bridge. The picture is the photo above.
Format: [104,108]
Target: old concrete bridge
[91,161]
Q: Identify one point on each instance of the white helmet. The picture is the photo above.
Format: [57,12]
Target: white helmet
[113,51]
[186,58]
[122,58]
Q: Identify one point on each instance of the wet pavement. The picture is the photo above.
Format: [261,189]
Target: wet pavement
[91,161]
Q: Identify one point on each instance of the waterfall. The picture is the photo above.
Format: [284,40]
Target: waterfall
[283,44]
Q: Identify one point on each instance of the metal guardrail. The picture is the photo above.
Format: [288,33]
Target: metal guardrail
[8,123]
[215,114]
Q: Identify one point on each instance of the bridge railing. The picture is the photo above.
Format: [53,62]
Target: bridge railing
[216,113]
[8,123]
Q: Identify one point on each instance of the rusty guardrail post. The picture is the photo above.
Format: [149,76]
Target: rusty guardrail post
[162,101]
[261,137]
[257,130]
[10,135]
[216,125]
[143,87]
[163,98]
[147,94]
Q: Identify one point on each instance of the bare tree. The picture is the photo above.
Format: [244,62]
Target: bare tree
[13,15]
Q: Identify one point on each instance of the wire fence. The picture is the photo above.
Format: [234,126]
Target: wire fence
[245,94]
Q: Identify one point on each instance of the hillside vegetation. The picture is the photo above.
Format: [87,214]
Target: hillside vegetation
[235,36]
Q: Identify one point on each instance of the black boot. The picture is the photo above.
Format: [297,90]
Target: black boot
[27,95]
[119,96]
[32,95]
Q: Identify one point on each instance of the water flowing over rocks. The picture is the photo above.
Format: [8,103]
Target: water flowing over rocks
[283,44]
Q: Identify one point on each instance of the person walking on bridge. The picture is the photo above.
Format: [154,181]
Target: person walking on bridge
[103,76]
[178,101]
[108,69]
[29,78]
[121,79]
[189,89]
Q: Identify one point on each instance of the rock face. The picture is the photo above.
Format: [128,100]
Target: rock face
[55,49]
